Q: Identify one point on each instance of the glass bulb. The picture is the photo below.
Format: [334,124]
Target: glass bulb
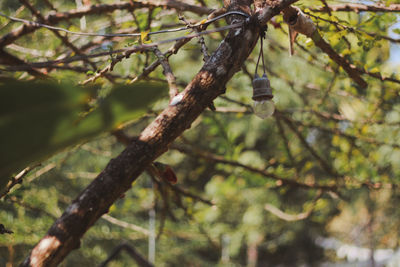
[264,108]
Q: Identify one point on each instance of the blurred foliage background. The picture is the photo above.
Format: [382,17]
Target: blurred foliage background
[315,185]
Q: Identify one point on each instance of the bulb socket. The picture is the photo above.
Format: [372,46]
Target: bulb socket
[261,88]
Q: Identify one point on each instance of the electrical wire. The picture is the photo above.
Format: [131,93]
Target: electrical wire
[261,55]
[37,24]
[133,49]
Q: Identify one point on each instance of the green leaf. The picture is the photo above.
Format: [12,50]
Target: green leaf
[143,36]
[40,119]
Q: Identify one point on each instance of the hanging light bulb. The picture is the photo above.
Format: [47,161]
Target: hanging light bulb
[263,106]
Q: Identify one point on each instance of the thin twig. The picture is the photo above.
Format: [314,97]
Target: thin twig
[353,29]
[18,179]
[127,225]
[285,142]
[359,7]
[351,70]
[54,18]
[64,39]
[145,47]
[169,75]
[140,260]
[201,41]
[293,217]
[336,131]
[187,193]
[29,206]
[180,41]
[11,60]
[220,159]
[43,25]
[324,164]
[326,7]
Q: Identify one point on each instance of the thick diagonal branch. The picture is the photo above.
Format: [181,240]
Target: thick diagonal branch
[117,177]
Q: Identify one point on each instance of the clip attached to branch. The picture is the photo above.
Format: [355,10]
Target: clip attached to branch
[298,23]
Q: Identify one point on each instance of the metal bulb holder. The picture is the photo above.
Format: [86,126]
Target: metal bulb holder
[263,106]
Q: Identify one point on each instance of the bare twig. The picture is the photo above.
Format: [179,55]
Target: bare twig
[29,206]
[204,49]
[145,47]
[169,75]
[127,225]
[180,41]
[64,39]
[42,171]
[11,60]
[140,260]
[324,164]
[18,179]
[362,138]
[280,180]
[376,75]
[293,217]
[54,18]
[300,23]
[201,41]
[187,193]
[286,216]
[353,29]
[359,8]
[41,25]
[285,142]
[173,50]
[326,7]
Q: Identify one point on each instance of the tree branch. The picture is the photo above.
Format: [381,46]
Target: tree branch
[18,179]
[358,8]
[169,75]
[324,164]
[293,217]
[279,179]
[140,260]
[117,177]
[54,18]
[11,60]
[123,224]
[298,22]
[64,39]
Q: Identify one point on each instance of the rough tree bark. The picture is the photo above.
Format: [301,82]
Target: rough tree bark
[117,177]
